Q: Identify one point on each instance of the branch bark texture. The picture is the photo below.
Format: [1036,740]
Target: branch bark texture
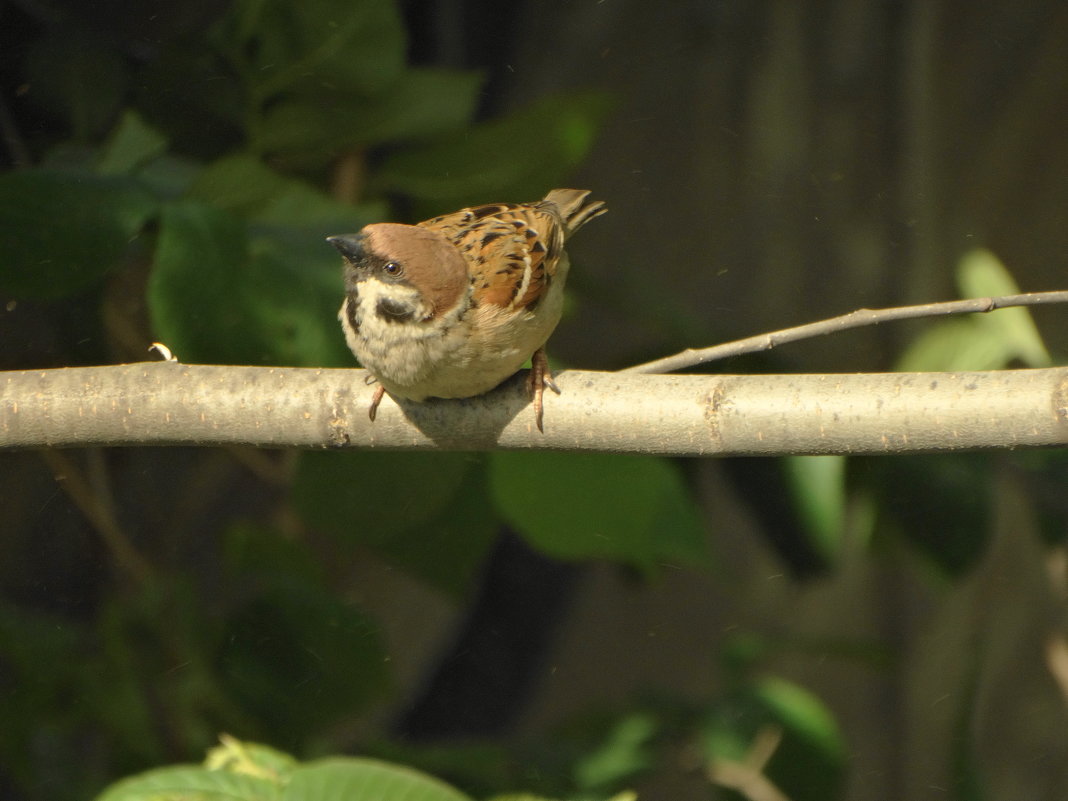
[690,415]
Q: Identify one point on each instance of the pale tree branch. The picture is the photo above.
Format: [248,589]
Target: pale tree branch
[691,415]
[95,501]
[1057,661]
[691,357]
[747,776]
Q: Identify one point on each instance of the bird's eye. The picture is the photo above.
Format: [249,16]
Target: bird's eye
[392,268]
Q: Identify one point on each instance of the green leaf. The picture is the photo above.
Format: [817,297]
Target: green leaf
[145,633]
[726,732]
[77,77]
[261,551]
[808,763]
[967,763]
[195,292]
[132,144]
[250,759]
[425,512]
[625,752]
[938,502]
[168,176]
[803,713]
[285,47]
[452,546]
[817,484]
[357,779]
[422,103]
[222,293]
[568,506]
[515,158]
[37,650]
[191,783]
[952,345]
[480,765]
[369,497]
[290,221]
[61,232]
[299,659]
[242,184]
[988,341]
[981,274]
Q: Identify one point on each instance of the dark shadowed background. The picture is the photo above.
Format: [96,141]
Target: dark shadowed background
[563,624]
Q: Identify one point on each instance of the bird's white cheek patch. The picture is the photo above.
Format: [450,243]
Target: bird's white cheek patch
[372,292]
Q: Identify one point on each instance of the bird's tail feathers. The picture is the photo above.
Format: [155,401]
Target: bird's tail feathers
[573,208]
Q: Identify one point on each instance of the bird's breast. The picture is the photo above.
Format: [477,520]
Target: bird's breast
[459,353]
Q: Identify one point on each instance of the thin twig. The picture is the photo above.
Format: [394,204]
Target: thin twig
[349,176]
[99,511]
[1057,661]
[747,776]
[692,357]
[763,748]
[273,469]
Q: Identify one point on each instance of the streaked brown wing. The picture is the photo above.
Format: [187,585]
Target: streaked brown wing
[512,249]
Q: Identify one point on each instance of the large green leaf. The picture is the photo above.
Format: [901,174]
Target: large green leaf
[626,751]
[425,512]
[371,496]
[250,759]
[583,506]
[131,145]
[356,779]
[60,232]
[195,293]
[283,47]
[143,634]
[37,648]
[803,713]
[298,659]
[294,656]
[981,274]
[939,502]
[220,293]
[244,185]
[809,761]
[422,103]
[979,341]
[268,555]
[450,549]
[288,219]
[191,783]
[952,345]
[818,486]
[250,772]
[517,158]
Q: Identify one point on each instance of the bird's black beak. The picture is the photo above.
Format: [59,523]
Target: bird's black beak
[348,245]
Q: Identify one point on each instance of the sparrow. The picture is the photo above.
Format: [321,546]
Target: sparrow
[453,306]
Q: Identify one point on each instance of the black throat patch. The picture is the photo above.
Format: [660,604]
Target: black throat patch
[394,312]
[352,308]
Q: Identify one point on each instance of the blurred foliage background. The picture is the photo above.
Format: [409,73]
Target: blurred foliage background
[569,625]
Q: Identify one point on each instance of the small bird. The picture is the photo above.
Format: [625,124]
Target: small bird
[452,306]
